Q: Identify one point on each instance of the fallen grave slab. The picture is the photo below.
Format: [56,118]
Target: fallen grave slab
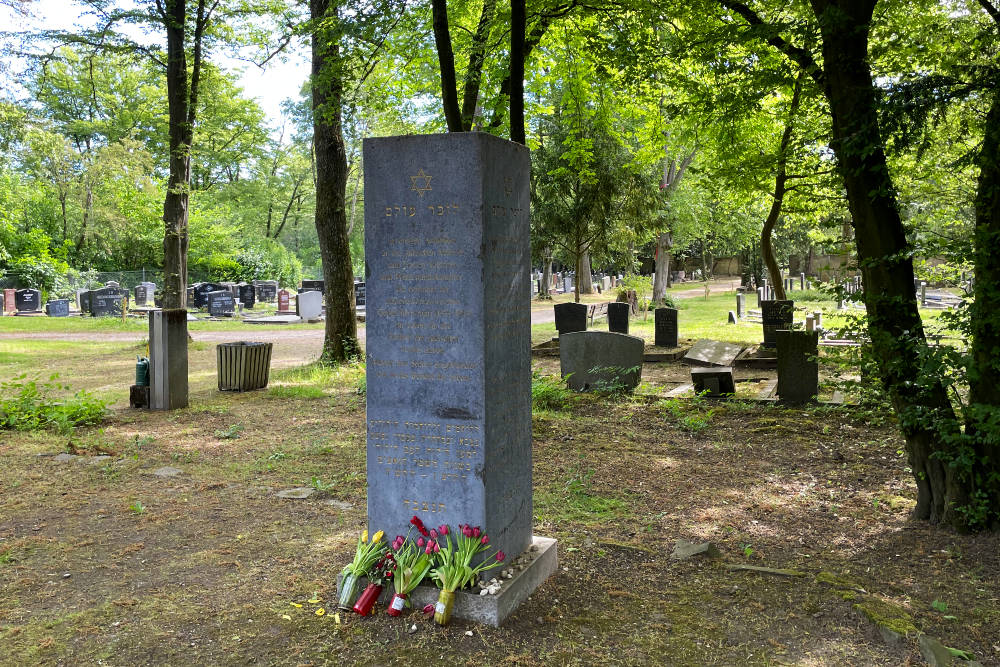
[707,352]
[274,319]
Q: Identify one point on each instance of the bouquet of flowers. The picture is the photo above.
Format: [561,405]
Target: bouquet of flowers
[365,556]
[454,564]
[413,562]
[380,574]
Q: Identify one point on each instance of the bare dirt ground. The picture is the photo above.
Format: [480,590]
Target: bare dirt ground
[104,562]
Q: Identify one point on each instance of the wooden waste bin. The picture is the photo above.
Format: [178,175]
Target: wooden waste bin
[243,366]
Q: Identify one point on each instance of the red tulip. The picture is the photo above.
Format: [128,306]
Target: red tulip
[485,540]
[500,556]
[420,542]
[433,534]
[443,529]
[475,531]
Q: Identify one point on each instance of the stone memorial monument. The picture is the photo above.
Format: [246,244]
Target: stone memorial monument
[28,300]
[665,327]
[248,296]
[798,367]
[601,360]
[309,305]
[57,308]
[618,314]
[284,301]
[570,317]
[775,314]
[448,346]
[221,303]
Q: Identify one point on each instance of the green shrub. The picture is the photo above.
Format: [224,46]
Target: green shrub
[28,405]
[549,393]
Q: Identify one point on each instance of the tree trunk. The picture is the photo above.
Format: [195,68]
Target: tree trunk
[661,282]
[518,21]
[175,204]
[446,63]
[474,70]
[546,273]
[585,276]
[894,325]
[341,338]
[984,371]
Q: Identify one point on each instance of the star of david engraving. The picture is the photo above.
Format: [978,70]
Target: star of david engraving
[425,187]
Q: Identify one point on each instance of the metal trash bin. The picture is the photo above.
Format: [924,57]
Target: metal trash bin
[243,366]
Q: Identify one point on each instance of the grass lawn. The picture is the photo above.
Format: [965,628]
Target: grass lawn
[103,562]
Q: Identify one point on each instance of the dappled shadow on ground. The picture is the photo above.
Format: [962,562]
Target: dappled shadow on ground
[202,567]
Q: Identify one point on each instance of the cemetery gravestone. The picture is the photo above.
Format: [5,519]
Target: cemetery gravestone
[798,368]
[267,290]
[601,360]
[448,337]
[359,295]
[775,314]
[665,327]
[202,290]
[309,305]
[106,302]
[713,382]
[312,285]
[712,353]
[221,303]
[284,298]
[247,295]
[741,305]
[9,300]
[28,300]
[57,308]
[618,317]
[570,317]
[83,298]
[142,295]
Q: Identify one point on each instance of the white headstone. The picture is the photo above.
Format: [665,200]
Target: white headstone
[310,305]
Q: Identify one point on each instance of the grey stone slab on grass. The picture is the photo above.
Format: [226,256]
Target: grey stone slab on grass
[774,315]
[167,471]
[716,381]
[706,352]
[798,367]
[64,457]
[683,550]
[493,609]
[570,317]
[448,334]
[300,493]
[601,360]
[168,359]
[665,327]
[309,304]
[618,314]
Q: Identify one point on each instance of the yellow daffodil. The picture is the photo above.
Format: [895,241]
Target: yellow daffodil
[364,537]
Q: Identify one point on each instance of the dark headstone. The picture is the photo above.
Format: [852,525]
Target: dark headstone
[714,382]
[28,300]
[570,317]
[601,360]
[267,290]
[247,295]
[741,305]
[775,314]
[359,294]
[107,302]
[83,298]
[618,314]
[57,308]
[798,368]
[449,334]
[221,303]
[665,327]
[202,290]
[138,396]
[732,318]
[313,285]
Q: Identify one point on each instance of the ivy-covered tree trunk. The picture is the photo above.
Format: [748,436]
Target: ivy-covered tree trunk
[983,415]
[341,337]
[897,336]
